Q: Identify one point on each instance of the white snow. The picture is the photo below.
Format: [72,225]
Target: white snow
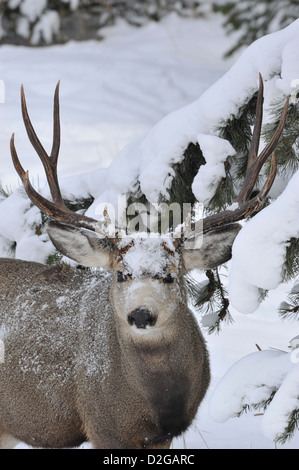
[21,222]
[286,400]
[215,151]
[251,380]
[46,28]
[263,242]
[32,9]
[122,91]
[289,66]
[23,27]
[148,255]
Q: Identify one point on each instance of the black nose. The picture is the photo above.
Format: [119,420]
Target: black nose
[142,318]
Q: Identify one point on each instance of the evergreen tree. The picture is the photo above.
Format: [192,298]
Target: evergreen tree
[253,19]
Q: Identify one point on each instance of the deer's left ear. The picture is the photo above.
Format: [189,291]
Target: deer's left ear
[212,250]
[82,246]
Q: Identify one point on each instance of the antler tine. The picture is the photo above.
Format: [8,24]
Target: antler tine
[57,209]
[42,203]
[255,163]
[258,124]
[271,177]
[30,130]
[49,162]
[273,142]
[49,208]
[15,159]
[56,126]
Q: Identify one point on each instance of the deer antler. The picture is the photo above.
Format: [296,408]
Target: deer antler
[255,162]
[57,209]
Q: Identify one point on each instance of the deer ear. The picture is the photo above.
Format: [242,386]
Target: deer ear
[81,245]
[212,250]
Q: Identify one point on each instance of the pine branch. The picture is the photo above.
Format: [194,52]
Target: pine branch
[292,426]
[291,264]
[289,309]
[224,194]
[185,172]
[255,19]
[4,193]
[211,300]
[261,406]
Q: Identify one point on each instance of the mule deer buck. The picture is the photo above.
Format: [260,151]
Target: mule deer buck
[114,356]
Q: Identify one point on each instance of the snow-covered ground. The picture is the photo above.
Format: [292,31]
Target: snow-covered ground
[112,92]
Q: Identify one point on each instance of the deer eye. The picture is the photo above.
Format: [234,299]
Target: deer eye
[168,279]
[121,277]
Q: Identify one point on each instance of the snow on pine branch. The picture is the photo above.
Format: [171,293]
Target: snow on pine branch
[265,380]
[281,417]
[216,151]
[20,235]
[249,381]
[260,248]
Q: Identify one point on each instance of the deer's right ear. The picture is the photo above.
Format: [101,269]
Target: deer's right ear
[81,245]
[214,249]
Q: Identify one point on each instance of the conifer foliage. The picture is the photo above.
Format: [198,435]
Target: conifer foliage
[252,20]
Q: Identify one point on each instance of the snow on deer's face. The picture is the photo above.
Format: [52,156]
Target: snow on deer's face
[146,287]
